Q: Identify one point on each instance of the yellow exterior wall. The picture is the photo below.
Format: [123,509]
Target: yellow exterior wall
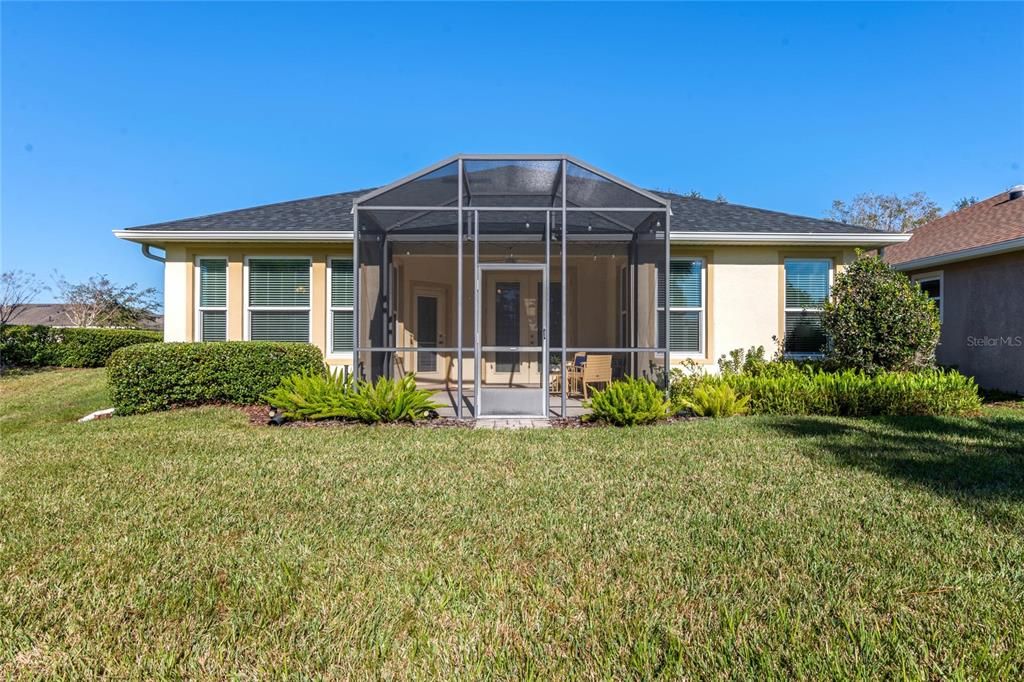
[744,300]
[179,287]
[746,293]
[177,295]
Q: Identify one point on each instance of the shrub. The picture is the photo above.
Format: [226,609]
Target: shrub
[156,376]
[683,380]
[41,346]
[879,320]
[27,346]
[737,361]
[715,400]
[788,390]
[628,402]
[312,395]
[81,347]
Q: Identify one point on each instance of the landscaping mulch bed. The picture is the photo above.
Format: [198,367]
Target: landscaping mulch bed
[258,416]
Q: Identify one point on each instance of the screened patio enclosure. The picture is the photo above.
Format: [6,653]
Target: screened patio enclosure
[511,285]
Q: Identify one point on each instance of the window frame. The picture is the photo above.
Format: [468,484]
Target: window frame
[934,276]
[331,309]
[247,331]
[197,326]
[701,351]
[786,310]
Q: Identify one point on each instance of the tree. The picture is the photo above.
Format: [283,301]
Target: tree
[696,194]
[99,302]
[877,319]
[887,212]
[963,202]
[17,289]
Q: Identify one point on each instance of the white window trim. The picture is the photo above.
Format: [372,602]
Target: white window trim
[702,310]
[934,276]
[197,327]
[786,310]
[331,309]
[249,308]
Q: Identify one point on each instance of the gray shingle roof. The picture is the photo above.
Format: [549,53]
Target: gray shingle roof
[704,215]
[333,212]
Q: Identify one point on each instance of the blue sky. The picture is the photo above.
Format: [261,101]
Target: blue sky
[123,114]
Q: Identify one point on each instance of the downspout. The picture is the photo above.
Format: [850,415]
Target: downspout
[152,256]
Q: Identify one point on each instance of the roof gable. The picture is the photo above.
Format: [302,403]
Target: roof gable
[992,221]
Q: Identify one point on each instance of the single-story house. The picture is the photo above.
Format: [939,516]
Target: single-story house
[971,263]
[57,315]
[510,283]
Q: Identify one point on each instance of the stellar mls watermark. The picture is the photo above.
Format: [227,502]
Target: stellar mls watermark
[995,341]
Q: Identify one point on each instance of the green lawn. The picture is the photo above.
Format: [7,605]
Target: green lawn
[191,544]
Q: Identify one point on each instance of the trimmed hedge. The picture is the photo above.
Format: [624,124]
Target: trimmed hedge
[42,346]
[162,375]
[784,389]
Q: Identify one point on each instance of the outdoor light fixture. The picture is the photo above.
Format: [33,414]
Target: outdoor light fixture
[276,417]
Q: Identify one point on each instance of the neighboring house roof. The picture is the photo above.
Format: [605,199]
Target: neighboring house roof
[995,225]
[55,315]
[333,212]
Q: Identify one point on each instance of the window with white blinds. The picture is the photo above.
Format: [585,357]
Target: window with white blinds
[278,299]
[212,308]
[808,283]
[341,305]
[686,309]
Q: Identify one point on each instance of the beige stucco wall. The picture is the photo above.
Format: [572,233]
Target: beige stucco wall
[744,292]
[179,284]
[983,319]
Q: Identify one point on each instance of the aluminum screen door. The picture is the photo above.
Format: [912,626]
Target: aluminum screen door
[511,338]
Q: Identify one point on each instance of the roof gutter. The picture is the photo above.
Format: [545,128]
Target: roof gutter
[324,236]
[965,254]
[169,236]
[765,238]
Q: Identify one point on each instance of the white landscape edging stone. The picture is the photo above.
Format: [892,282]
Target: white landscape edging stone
[109,412]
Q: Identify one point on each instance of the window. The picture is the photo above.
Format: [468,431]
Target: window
[685,306]
[278,299]
[212,310]
[931,284]
[808,282]
[341,305]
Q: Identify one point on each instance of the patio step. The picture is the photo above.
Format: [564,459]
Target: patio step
[512,423]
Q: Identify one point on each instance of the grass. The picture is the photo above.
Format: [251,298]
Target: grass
[192,545]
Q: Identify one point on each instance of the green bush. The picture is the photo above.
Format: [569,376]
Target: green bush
[81,347]
[877,320]
[752,361]
[628,402]
[41,346]
[28,346]
[156,376]
[784,389]
[312,395]
[715,400]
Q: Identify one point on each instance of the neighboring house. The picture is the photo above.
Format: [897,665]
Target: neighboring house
[55,315]
[972,265]
[558,259]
